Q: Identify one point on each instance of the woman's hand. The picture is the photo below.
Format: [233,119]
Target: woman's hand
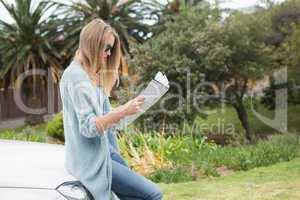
[111,118]
[133,106]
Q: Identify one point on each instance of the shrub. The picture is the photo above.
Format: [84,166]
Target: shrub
[269,99]
[55,127]
[172,175]
[143,153]
[164,158]
[192,158]
[277,149]
[27,134]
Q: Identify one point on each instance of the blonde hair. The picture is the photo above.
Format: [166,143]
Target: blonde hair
[91,46]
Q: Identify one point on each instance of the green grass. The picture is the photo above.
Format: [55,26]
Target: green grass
[229,118]
[39,128]
[25,132]
[277,182]
[207,159]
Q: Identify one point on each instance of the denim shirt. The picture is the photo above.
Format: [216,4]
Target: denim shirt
[87,155]
[111,133]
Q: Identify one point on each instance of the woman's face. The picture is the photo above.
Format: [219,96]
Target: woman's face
[108,45]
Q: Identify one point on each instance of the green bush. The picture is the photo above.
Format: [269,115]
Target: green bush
[174,175]
[277,149]
[190,157]
[269,98]
[179,148]
[55,127]
[27,134]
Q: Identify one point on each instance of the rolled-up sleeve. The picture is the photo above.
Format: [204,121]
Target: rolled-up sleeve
[81,98]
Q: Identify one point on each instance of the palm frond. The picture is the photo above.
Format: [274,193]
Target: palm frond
[30,41]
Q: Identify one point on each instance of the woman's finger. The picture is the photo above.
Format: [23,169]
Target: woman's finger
[140,98]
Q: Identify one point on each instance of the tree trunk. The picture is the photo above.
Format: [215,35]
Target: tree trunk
[243,117]
[35,101]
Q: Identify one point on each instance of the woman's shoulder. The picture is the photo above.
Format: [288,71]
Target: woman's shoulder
[74,73]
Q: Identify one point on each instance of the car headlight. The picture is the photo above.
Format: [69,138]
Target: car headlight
[74,190]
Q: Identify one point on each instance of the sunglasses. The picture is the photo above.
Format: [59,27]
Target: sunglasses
[108,48]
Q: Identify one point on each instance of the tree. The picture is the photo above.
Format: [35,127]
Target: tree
[285,37]
[127,17]
[174,52]
[282,16]
[250,59]
[290,57]
[283,19]
[230,51]
[176,5]
[30,42]
[292,49]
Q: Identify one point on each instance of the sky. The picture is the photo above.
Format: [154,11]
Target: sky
[234,4]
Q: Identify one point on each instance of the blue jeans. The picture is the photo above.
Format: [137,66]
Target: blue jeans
[129,185]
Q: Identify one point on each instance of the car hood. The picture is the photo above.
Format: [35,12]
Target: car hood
[32,164]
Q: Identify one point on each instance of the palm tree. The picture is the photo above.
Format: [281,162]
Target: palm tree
[30,42]
[175,5]
[127,17]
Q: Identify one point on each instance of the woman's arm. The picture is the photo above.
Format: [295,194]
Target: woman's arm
[81,101]
[114,116]
[91,125]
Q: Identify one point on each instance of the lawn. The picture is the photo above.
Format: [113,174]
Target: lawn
[229,118]
[277,182]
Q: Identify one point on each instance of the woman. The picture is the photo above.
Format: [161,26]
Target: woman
[92,151]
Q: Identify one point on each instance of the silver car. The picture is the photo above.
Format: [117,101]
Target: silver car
[35,171]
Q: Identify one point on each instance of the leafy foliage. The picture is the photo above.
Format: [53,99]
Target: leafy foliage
[197,47]
[282,17]
[176,53]
[270,94]
[55,127]
[26,134]
[208,161]
[31,41]
[126,17]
